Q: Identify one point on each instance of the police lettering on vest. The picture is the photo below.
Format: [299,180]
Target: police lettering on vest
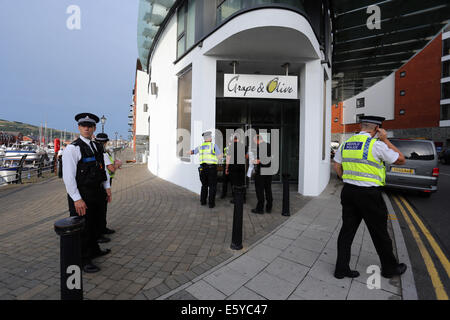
[358,162]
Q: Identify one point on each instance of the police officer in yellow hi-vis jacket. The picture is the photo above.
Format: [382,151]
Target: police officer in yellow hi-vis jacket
[360,162]
[209,155]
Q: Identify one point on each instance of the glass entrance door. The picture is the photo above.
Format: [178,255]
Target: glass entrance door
[264,116]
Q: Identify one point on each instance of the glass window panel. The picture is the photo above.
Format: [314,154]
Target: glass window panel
[446,47]
[184,112]
[445,112]
[181,18]
[445,91]
[190,32]
[446,69]
[227,8]
[181,46]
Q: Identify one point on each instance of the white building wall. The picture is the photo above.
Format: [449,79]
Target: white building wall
[379,101]
[313,171]
[141,99]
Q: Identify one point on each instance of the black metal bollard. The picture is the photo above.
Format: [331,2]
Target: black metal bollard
[236,238]
[285,210]
[69,229]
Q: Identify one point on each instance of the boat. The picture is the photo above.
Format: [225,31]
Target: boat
[17,150]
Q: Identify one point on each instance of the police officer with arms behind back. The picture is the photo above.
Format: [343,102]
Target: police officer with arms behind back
[360,163]
[87,186]
[209,155]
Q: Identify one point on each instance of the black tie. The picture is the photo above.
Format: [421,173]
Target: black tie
[94,150]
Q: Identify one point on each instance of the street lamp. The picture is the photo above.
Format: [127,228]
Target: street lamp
[103,120]
[116,138]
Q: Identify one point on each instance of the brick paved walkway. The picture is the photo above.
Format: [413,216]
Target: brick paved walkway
[163,238]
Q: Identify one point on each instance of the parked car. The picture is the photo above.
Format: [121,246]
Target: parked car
[444,156]
[420,172]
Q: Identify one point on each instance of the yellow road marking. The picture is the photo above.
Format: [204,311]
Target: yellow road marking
[430,238]
[435,280]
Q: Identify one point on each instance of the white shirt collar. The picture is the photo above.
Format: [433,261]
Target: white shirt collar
[86,140]
[365,133]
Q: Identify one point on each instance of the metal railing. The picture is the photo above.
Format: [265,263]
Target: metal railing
[22,172]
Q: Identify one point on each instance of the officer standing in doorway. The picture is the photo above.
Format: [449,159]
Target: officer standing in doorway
[360,162]
[263,181]
[209,154]
[87,186]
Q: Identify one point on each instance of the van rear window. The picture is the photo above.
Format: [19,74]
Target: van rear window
[415,150]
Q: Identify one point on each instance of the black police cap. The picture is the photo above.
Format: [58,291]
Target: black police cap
[87,118]
[102,137]
[372,119]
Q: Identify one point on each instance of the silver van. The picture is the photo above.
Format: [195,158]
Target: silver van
[420,172]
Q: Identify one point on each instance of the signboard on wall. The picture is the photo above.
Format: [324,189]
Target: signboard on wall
[260,86]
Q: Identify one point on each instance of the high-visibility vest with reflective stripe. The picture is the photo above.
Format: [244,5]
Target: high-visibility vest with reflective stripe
[358,162]
[111,174]
[207,153]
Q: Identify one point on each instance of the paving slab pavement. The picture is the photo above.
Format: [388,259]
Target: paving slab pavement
[164,239]
[296,262]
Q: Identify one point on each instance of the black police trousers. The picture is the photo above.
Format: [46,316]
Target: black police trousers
[102,221]
[95,202]
[263,185]
[208,178]
[364,203]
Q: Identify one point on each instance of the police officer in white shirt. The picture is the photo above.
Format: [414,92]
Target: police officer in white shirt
[360,161]
[87,184]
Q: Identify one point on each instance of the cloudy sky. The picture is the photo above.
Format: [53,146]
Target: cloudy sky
[49,72]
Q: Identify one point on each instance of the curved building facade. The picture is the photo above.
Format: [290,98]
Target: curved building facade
[257,66]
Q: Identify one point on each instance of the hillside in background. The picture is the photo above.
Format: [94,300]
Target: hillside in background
[28,129]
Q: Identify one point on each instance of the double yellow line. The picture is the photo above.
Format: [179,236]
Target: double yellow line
[435,279]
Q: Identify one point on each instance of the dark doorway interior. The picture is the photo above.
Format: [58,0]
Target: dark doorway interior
[268,114]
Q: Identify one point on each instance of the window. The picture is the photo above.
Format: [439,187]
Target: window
[445,112]
[446,47]
[336,119]
[324,117]
[415,150]
[446,69]
[360,102]
[445,91]
[184,114]
[185,27]
[402,74]
[402,92]
[358,117]
[145,107]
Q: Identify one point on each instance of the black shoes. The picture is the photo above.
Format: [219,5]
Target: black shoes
[397,271]
[257,211]
[89,267]
[203,203]
[109,231]
[101,253]
[103,239]
[348,274]
[212,206]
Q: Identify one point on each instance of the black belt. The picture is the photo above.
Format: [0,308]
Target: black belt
[208,165]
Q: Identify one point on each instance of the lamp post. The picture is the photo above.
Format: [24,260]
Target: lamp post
[103,120]
[116,137]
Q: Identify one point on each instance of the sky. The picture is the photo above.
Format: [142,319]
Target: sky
[49,73]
